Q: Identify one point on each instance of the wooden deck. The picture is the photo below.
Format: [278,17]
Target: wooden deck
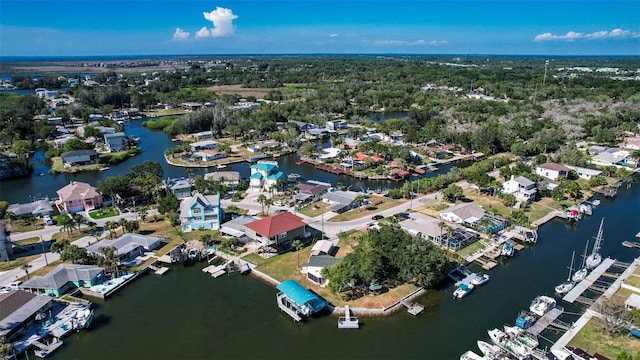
[545,321]
[412,308]
[583,285]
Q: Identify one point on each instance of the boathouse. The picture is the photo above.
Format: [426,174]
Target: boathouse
[300,299]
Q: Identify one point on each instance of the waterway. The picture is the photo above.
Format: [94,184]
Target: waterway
[153,143]
[186,314]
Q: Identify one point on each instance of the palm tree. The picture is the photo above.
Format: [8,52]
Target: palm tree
[359,200]
[109,225]
[262,199]
[78,220]
[297,244]
[66,222]
[268,204]
[25,267]
[108,259]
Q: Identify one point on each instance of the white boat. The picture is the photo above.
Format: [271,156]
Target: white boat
[507,249]
[462,290]
[582,273]
[470,355]
[193,254]
[347,321]
[501,339]
[567,285]
[480,279]
[523,337]
[83,318]
[488,349]
[541,304]
[595,258]
[595,202]
[221,166]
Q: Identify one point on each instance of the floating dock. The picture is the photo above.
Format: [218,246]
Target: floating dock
[583,285]
[548,319]
[412,308]
[44,350]
[348,321]
[217,270]
[158,270]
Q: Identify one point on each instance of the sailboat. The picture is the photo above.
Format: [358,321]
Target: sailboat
[595,258]
[566,286]
[583,271]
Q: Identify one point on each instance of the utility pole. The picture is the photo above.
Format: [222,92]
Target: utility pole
[44,252]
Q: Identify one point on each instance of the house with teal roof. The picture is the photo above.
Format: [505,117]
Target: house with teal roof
[264,175]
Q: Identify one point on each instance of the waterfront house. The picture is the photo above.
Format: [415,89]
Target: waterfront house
[6,246]
[228,178]
[611,156]
[201,212]
[235,227]
[202,135]
[425,227]
[276,232]
[78,196]
[263,146]
[64,278]
[632,143]
[203,145]
[115,142]
[463,213]
[310,191]
[208,155]
[264,175]
[341,201]
[302,126]
[317,133]
[60,141]
[523,188]
[313,267]
[459,238]
[585,173]
[127,246]
[180,187]
[79,157]
[38,208]
[334,125]
[191,106]
[552,171]
[18,309]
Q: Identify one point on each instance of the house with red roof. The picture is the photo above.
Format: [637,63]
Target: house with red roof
[275,233]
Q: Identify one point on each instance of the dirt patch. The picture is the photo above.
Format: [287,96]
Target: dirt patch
[259,93]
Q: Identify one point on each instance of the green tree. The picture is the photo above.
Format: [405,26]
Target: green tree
[297,245]
[168,203]
[262,200]
[508,200]
[452,193]
[108,259]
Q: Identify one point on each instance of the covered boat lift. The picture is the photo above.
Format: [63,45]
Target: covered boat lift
[295,300]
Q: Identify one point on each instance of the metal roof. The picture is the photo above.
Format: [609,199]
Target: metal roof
[301,296]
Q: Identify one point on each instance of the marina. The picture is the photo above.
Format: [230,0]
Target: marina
[583,285]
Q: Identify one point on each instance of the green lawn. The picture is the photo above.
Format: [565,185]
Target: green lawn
[314,209]
[469,249]
[29,241]
[593,340]
[102,213]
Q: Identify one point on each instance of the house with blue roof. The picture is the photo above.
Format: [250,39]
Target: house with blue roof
[297,298]
[264,175]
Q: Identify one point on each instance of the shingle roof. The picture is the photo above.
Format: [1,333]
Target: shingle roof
[77,190]
[125,243]
[466,210]
[276,224]
[227,175]
[61,275]
[554,167]
[36,207]
[16,307]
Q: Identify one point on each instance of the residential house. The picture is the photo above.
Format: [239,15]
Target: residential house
[78,196]
[201,212]
[313,267]
[463,213]
[632,143]
[302,126]
[459,239]
[264,175]
[79,157]
[228,178]
[64,278]
[203,145]
[585,173]
[6,246]
[275,233]
[552,171]
[55,121]
[523,188]
[203,135]
[341,201]
[334,125]
[18,309]
[322,247]
[60,141]
[632,302]
[208,155]
[611,156]
[38,208]
[242,105]
[425,227]
[180,187]
[263,146]
[115,142]
[236,227]
[310,191]
[127,246]
[191,106]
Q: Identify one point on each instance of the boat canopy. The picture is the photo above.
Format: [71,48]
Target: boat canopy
[301,296]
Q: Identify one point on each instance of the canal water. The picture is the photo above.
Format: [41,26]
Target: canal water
[187,314]
[153,143]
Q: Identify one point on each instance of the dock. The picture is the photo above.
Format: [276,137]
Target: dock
[348,321]
[158,270]
[631,244]
[412,308]
[585,284]
[44,349]
[217,270]
[549,319]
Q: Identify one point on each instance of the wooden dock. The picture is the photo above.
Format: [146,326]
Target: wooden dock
[412,308]
[583,285]
[548,319]
[485,263]
[158,270]
[217,271]
[44,349]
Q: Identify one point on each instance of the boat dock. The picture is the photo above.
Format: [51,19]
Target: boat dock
[348,321]
[44,349]
[158,270]
[549,319]
[217,270]
[583,285]
[412,308]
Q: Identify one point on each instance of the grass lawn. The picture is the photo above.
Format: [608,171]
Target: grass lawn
[28,241]
[592,339]
[102,213]
[24,225]
[434,207]
[634,280]
[377,203]
[57,166]
[44,270]
[469,249]
[16,263]
[314,209]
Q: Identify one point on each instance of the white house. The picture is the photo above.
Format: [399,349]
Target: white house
[208,155]
[523,188]
[552,171]
[632,143]
[462,213]
[127,246]
[585,173]
[424,226]
[336,125]
[203,145]
[264,175]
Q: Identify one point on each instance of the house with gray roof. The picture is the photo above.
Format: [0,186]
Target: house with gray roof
[64,278]
[310,191]
[79,157]
[585,173]
[180,187]
[127,246]
[38,208]
[18,309]
[236,227]
[523,188]
[425,227]
[341,201]
[313,268]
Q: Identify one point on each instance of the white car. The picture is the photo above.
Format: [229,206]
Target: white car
[278,203]
[15,284]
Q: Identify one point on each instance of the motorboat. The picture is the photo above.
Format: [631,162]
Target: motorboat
[567,285]
[541,304]
[525,320]
[83,318]
[470,355]
[462,290]
[480,279]
[193,254]
[501,339]
[507,249]
[523,337]
[221,166]
[595,202]
[488,349]
[595,258]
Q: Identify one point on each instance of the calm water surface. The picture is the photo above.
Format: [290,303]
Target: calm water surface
[186,314]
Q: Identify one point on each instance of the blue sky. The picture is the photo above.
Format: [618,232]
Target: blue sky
[135,27]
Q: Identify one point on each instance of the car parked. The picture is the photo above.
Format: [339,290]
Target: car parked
[377,217]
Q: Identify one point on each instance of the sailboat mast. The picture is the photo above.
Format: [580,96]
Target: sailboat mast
[571,266]
[596,246]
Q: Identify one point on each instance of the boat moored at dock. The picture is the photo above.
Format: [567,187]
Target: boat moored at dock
[567,285]
[595,258]
[480,279]
[462,290]
[541,304]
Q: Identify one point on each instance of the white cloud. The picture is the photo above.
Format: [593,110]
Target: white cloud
[203,33]
[598,35]
[222,19]
[180,34]
[333,35]
[405,42]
